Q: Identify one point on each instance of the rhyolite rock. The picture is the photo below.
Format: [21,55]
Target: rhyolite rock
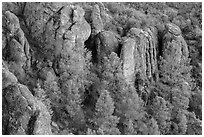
[174,45]
[106,42]
[138,54]
[18,44]
[97,23]
[16,50]
[71,37]
[22,113]
[58,27]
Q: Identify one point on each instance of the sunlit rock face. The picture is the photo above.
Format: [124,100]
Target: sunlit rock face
[174,45]
[139,54]
[16,49]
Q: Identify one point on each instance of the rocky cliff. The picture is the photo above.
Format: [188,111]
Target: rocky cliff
[139,54]
[39,39]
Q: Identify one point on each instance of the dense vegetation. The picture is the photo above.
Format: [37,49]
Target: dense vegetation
[88,97]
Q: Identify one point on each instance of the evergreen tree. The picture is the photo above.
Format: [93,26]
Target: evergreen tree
[105,121]
[67,92]
[161,112]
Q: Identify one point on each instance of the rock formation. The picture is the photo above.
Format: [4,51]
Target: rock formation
[106,42]
[139,54]
[70,37]
[22,112]
[174,45]
[97,23]
[62,26]
[16,47]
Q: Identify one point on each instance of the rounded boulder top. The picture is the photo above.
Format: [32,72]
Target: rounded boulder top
[174,29]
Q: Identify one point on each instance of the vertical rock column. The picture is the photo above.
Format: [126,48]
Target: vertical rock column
[151,35]
[174,45]
[97,23]
[139,54]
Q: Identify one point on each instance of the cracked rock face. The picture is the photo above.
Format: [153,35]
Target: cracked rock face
[19,108]
[17,47]
[139,54]
[174,44]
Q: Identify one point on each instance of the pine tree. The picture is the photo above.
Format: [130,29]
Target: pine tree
[73,68]
[105,121]
[161,112]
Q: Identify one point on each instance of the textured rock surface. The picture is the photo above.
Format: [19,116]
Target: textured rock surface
[56,27]
[20,108]
[74,36]
[17,47]
[174,44]
[139,54]
[97,23]
[106,42]
[127,55]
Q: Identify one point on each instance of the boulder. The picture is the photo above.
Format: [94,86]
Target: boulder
[173,29]
[106,42]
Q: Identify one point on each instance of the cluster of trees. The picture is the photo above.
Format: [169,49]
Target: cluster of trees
[100,102]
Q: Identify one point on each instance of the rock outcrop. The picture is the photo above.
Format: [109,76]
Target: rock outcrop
[16,49]
[70,37]
[59,27]
[22,112]
[174,45]
[139,54]
[97,23]
[106,42]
